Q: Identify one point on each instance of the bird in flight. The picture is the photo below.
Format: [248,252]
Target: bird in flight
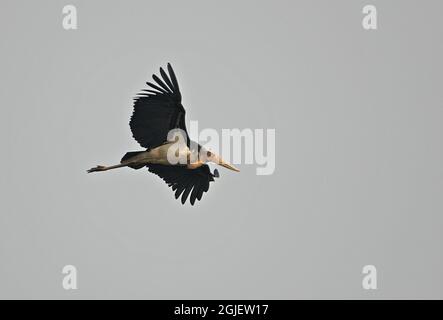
[158,114]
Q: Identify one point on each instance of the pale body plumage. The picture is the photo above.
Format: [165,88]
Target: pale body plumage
[159,155]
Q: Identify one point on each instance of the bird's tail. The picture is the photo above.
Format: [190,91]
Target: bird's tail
[129,155]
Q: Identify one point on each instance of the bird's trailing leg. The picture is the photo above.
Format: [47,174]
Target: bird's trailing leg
[104,168]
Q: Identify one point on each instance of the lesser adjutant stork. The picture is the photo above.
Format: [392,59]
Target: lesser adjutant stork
[157,111]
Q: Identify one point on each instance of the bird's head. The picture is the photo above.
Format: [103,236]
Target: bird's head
[209,156]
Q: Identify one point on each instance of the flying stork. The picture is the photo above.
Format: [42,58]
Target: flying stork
[157,111]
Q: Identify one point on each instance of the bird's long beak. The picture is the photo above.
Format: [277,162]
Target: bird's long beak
[229,166]
[226,164]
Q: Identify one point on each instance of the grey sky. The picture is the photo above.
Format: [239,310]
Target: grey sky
[358,179]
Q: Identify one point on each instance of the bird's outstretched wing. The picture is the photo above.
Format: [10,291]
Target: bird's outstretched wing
[183,180]
[158,110]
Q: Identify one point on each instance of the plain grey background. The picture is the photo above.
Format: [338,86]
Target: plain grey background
[359,153]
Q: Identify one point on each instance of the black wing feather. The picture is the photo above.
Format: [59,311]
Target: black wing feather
[156,87]
[184,181]
[186,194]
[173,79]
[161,83]
[166,79]
[158,111]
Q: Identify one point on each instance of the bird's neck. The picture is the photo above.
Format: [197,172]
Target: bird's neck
[195,165]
